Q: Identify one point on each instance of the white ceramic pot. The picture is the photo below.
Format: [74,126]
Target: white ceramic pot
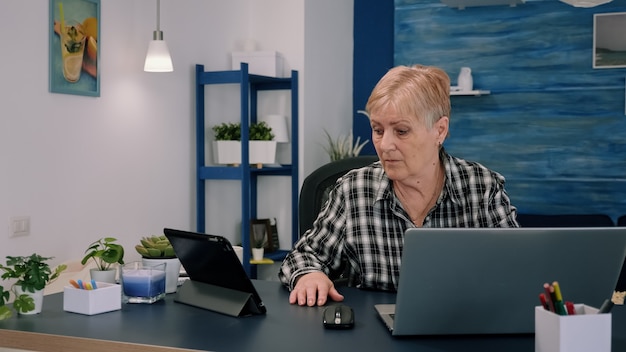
[172,271]
[229,152]
[107,276]
[257,253]
[37,297]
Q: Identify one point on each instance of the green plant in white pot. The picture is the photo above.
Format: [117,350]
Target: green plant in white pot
[107,255]
[227,144]
[156,250]
[31,275]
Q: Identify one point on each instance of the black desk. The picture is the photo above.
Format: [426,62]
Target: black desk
[284,328]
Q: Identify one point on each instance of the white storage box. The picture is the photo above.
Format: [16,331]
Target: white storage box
[264,63]
[584,332]
[106,298]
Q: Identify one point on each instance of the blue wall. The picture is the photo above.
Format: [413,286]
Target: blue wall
[552,125]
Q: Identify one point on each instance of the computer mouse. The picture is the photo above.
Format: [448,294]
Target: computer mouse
[338,316]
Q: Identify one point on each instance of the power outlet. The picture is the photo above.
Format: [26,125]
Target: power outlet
[19,226]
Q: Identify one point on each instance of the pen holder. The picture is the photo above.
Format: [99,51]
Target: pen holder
[583,332]
[106,298]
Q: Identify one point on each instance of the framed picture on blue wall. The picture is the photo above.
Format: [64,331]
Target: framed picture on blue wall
[609,41]
[74,47]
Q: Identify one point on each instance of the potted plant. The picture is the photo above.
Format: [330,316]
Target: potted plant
[158,249]
[258,250]
[106,254]
[344,146]
[31,275]
[227,144]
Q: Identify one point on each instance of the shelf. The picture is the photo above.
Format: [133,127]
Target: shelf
[471,92]
[462,4]
[245,173]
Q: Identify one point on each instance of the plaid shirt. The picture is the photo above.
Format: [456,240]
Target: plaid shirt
[364,222]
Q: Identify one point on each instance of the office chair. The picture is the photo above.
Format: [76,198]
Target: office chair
[315,190]
[317,185]
[565,220]
[621,221]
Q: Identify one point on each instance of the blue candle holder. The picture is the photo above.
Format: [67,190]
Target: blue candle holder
[143,282]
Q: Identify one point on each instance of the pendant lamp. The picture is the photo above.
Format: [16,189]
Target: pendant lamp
[158,58]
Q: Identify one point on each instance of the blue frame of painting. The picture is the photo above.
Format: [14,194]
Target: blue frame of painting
[89,81]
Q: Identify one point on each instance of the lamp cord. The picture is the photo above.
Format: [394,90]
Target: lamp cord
[158,15]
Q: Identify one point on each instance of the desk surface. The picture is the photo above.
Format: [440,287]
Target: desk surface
[284,327]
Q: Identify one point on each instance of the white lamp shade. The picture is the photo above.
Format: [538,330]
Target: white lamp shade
[586,3]
[278,123]
[158,58]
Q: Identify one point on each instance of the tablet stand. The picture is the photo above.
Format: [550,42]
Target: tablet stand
[219,299]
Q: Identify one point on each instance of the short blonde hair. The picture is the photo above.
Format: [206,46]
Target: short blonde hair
[419,91]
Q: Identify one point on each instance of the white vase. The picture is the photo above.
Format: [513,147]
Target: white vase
[257,253]
[172,271]
[107,276]
[37,297]
[465,80]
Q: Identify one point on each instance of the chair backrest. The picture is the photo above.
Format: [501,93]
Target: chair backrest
[621,221]
[317,185]
[565,220]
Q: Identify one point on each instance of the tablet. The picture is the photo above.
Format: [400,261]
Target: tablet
[218,281]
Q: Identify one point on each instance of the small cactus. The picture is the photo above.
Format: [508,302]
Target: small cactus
[155,247]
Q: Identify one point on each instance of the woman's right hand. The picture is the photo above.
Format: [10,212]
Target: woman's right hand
[314,288]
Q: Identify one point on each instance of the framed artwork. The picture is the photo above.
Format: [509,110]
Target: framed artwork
[609,42]
[74,47]
[261,234]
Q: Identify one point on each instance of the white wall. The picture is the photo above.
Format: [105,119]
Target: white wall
[122,164]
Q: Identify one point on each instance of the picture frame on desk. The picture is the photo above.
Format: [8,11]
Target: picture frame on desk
[261,231]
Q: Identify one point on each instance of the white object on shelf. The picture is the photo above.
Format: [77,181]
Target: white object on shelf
[465,81]
[264,63]
[471,92]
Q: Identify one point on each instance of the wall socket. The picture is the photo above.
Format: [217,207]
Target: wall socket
[19,226]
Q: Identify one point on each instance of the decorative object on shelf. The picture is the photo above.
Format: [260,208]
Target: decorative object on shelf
[264,63]
[227,144]
[344,146]
[465,81]
[260,232]
[156,250]
[158,58]
[586,3]
[608,47]
[32,274]
[106,254]
[275,243]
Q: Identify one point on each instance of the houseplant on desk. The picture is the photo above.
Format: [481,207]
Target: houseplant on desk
[106,254]
[32,274]
[227,144]
[158,249]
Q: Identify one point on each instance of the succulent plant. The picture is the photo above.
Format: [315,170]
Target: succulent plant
[155,247]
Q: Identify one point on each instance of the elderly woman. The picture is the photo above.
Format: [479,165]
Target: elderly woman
[415,184]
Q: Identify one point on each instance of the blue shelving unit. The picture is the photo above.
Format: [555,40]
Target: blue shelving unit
[250,86]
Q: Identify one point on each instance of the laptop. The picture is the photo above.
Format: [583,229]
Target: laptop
[457,281]
[217,280]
